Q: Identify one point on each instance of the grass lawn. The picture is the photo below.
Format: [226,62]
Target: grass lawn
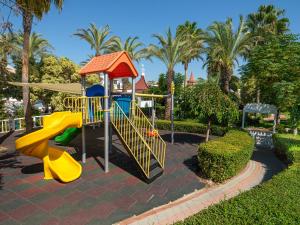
[276,201]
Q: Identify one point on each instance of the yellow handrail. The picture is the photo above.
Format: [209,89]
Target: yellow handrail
[90,107]
[131,137]
[146,129]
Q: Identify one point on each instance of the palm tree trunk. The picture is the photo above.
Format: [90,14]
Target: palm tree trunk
[226,74]
[208,130]
[27,24]
[258,95]
[170,78]
[186,66]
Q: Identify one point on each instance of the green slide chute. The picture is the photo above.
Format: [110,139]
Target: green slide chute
[68,135]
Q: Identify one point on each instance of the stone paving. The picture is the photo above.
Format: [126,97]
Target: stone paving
[96,197]
[263,166]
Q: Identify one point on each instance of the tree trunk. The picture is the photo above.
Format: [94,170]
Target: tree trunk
[258,95]
[170,78]
[27,24]
[278,117]
[186,66]
[226,74]
[295,131]
[208,130]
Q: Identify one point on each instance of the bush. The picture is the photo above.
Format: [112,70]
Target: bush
[224,157]
[273,202]
[190,127]
[287,146]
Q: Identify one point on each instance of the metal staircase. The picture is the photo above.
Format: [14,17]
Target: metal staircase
[134,130]
[145,150]
[143,125]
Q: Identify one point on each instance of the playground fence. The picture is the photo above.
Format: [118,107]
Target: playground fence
[16,124]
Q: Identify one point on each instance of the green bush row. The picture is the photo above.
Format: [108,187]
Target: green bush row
[190,127]
[273,202]
[288,146]
[224,157]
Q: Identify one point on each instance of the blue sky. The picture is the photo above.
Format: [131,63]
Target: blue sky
[143,18]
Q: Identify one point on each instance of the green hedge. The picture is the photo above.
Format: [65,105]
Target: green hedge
[273,202]
[224,157]
[287,145]
[190,127]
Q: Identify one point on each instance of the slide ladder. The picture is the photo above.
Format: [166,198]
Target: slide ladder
[144,126]
[137,144]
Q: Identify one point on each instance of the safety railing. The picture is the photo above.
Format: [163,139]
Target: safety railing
[91,108]
[5,127]
[131,137]
[146,129]
[17,124]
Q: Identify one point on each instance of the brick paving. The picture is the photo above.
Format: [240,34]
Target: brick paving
[96,197]
[262,167]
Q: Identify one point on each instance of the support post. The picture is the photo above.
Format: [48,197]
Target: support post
[153,113]
[274,125]
[172,112]
[83,157]
[111,86]
[133,97]
[243,119]
[106,124]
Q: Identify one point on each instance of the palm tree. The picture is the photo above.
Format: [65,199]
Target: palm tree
[7,47]
[267,20]
[38,46]
[135,50]
[97,38]
[169,51]
[30,9]
[132,46]
[225,47]
[193,36]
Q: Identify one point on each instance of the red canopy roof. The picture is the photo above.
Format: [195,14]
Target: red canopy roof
[141,85]
[117,64]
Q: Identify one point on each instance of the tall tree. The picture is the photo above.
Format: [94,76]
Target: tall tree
[210,104]
[38,46]
[169,51]
[30,9]
[276,66]
[97,38]
[193,36]
[266,21]
[133,47]
[225,47]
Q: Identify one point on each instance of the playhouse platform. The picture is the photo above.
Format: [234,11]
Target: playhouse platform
[96,197]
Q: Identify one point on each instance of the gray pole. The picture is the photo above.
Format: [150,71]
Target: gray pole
[133,96]
[83,121]
[111,85]
[243,119]
[106,124]
[153,113]
[172,111]
[274,126]
[172,118]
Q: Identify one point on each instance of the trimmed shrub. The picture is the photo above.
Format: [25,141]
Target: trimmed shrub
[190,127]
[273,202]
[288,146]
[224,157]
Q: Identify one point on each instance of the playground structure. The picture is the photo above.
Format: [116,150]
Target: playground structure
[137,133]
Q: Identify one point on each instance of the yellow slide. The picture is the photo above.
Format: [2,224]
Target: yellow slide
[58,163]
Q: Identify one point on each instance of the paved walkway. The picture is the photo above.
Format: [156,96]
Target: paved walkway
[96,197]
[263,166]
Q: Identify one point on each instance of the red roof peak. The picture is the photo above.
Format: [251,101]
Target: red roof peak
[192,78]
[116,64]
[141,85]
